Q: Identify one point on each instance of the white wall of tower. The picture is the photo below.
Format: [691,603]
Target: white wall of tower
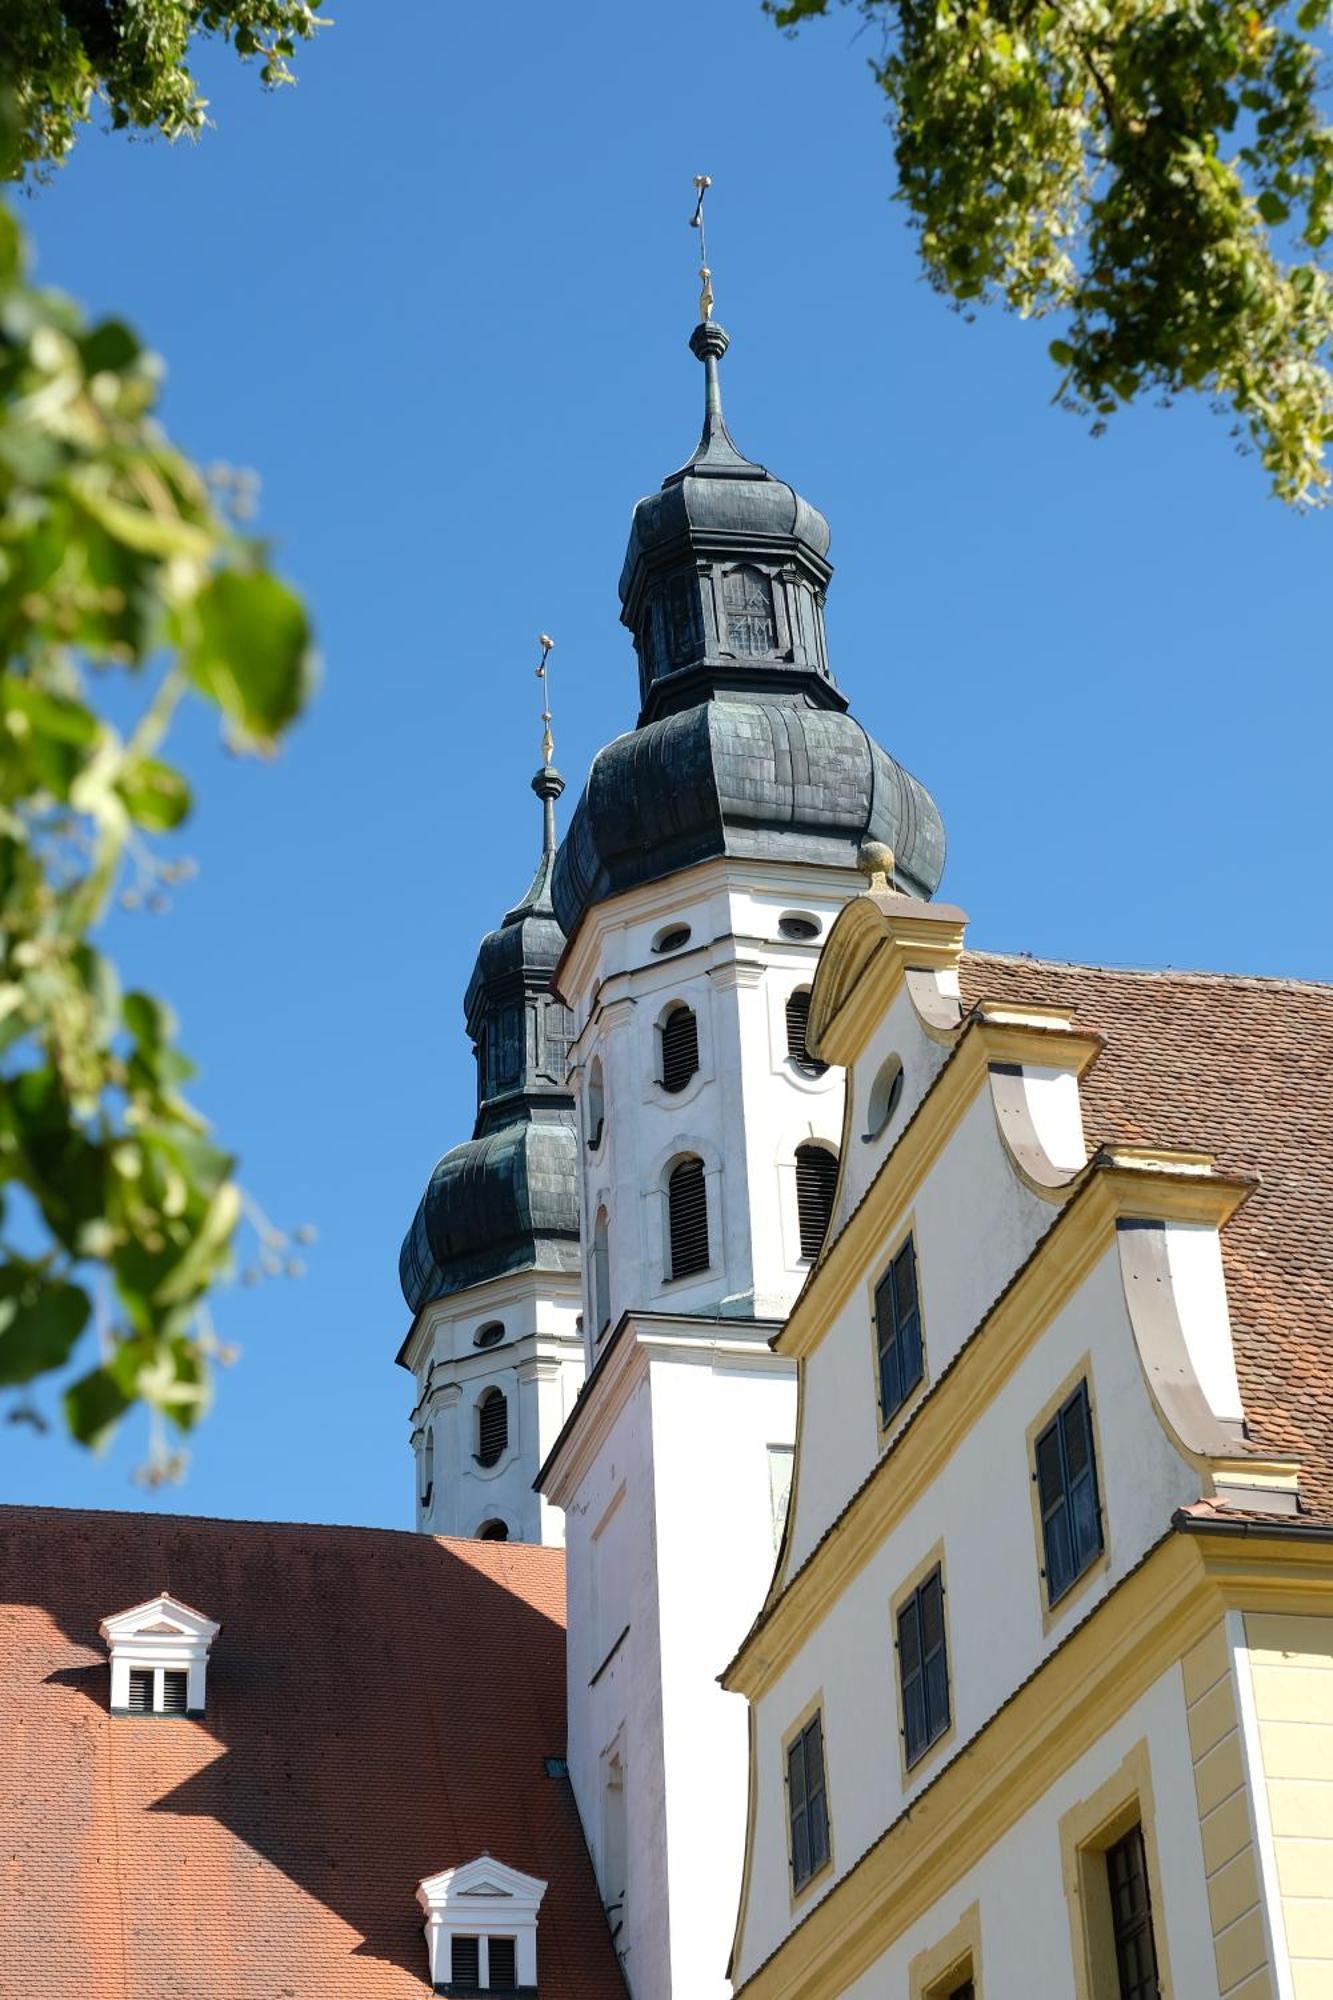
[536,1363]
[743,1114]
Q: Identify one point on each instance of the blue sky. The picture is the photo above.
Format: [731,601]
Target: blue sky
[438,297]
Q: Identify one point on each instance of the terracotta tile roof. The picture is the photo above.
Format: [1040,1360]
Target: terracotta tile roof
[1243,1068]
[380,1706]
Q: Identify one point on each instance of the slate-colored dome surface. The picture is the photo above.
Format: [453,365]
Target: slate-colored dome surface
[505,1202]
[768,777]
[725,500]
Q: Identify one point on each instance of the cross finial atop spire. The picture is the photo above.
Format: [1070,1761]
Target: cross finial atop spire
[702,183]
[548,783]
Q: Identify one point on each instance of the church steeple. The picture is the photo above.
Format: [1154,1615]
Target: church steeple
[724,578]
[508,1199]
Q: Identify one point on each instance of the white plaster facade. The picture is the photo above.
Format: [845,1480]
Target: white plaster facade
[536,1361]
[1036,1272]
[746,1110]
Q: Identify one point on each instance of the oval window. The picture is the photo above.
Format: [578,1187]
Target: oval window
[489,1335]
[798,928]
[886,1094]
[672,939]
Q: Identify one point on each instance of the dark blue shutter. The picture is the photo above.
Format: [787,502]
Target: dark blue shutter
[898,1332]
[1071,1520]
[923,1666]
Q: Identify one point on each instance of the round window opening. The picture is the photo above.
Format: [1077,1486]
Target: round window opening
[493,1531]
[489,1335]
[798,928]
[674,938]
[886,1095]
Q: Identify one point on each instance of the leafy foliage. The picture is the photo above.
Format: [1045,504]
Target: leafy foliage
[1127,162]
[61,56]
[115,560]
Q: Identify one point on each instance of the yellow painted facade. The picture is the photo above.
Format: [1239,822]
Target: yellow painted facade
[1291,1670]
[1226,1821]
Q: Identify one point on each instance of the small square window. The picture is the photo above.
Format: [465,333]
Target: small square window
[807,1803]
[923,1666]
[898,1332]
[1066,1476]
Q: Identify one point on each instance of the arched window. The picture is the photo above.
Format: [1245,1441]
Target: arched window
[492,1427]
[798,1026]
[426,1481]
[596,1104]
[687,1218]
[493,1531]
[680,1048]
[886,1095]
[601,1276]
[816,1178]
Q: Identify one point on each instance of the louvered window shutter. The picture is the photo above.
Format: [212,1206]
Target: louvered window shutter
[141,1690]
[898,1331]
[503,1957]
[680,1048]
[465,1962]
[687,1204]
[1071,1515]
[806,1803]
[816,1178]
[798,1026]
[492,1428]
[923,1667]
[175,1691]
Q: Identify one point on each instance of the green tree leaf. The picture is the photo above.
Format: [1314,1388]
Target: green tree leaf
[251,651]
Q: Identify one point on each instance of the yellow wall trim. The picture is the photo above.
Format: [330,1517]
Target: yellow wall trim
[935,1972]
[1086,1831]
[936,1427]
[1226,1829]
[1155,1617]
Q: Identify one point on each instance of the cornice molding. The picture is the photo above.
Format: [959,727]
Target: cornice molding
[984,1040]
[1151,1188]
[1180,1590]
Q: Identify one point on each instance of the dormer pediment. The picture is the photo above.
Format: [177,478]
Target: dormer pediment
[159,1657]
[481,1927]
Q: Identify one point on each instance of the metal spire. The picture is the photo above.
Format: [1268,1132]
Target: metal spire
[548,783]
[716,453]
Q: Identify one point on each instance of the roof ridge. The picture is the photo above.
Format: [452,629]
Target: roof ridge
[1205,975]
[17,1508]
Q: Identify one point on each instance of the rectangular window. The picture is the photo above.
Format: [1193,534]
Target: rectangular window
[465,1962]
[898,1332]
[1066,1475]
[807,1803]
[923,1666]
[141,1690]
[503,1976]
[175,1692]
[1131,1918]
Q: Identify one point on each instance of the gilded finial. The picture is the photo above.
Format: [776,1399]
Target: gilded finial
[546,642]
[702,183]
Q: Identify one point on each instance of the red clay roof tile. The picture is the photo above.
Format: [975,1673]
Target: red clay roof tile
[380,1706]
[1241,1067]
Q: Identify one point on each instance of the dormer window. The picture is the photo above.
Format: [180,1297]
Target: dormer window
[159,1657]
[481,1928]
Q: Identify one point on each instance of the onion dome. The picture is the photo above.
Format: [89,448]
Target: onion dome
[743,744]
[507,1200]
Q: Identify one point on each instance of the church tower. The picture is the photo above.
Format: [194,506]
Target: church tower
[705,862]
[490,1266]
